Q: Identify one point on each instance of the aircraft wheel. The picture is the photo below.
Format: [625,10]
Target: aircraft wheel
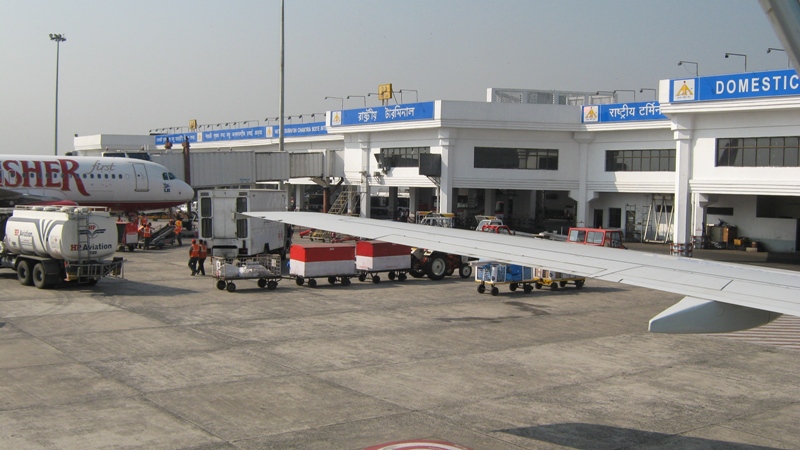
[272,285]
[230,287]
[527,288]
[24,273]
[495,291]
[362,277]
[513,287]
[332,280]
[40,277]
[481,289]
[299,281]
[220,285]
[436,268]
[346,281]
[312,282]
[465,271]
[262,282]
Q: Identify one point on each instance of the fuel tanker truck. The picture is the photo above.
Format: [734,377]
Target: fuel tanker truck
[46,244]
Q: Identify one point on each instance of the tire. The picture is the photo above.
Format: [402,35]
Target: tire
[392,276]
[562,283]
[131,248]
[299,281]
[272,285]
[495,291]
[513,286]
[538,285]
[436,267]
[345,281]
[24,274]
[416,270]
[481,289]
[554,287]
[230,287]
[376,279]
[465,271]
[332,280]
[527,288]
[402,277]
[579,284]
[312,282]
[40,277]
[220,285]
[262,283]
[362,277]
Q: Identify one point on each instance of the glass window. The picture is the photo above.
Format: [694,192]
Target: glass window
[640,160]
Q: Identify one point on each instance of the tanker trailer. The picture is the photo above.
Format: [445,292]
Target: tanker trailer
[47,244]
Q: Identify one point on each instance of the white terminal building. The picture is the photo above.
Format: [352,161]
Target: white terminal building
[708,159]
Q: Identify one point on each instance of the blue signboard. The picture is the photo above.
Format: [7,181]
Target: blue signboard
[622,112]
[235,134]
[736,86]
[383,114]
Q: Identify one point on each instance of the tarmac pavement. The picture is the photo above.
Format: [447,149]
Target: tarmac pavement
[164,360]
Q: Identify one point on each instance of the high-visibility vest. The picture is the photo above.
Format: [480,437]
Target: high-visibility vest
[178,226]
[194,251]
[146,231]
[203,251]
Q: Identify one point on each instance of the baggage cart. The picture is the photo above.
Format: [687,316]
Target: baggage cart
[264,268]
[373,257]
[555,280]
[495,273]
[333,261]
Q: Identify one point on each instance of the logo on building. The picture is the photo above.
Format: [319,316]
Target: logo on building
[336,118]
[590,114]
[683,90]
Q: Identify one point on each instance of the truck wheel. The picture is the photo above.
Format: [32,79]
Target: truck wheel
[402,276]
[262,283]
[481,289]
[392,275]
[332,280]
[513,286]
[465,271]
[436,268]
[40,277]
[579,284]
[527,288]
[24,273]
[220,285]
[495,290]
[299,281]
[312,282]
[416,269]
[362,277]
[231,287]
[376,279]
[272,285]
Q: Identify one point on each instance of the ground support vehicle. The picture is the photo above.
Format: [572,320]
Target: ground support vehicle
[46,245]
[162,236]
[555,280]
[495,273]
[436,265]
[264,268]
[228,234]
[373,257]
[335,261]
[127,236]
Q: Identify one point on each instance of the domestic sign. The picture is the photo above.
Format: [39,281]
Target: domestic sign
[735,86]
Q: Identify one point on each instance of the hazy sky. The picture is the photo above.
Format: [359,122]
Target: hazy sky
[128,67]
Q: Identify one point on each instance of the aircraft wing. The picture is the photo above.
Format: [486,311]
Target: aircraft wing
[720,297]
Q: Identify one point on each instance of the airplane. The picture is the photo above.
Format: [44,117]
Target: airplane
[719,297]
[120,184]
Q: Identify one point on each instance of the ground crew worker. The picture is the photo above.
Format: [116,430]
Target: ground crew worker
[147,232]
[194,255]
[201,260]
[178,229]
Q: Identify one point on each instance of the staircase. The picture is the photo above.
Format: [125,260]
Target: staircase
[339,206]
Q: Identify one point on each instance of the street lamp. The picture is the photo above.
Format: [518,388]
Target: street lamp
[337,98]
[416,96]
[626,90]
[59,38]
[739,54]
[788,62]
[655,93]
[696,66]
[362,96]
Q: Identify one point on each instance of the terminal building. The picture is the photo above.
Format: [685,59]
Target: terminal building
[709,160]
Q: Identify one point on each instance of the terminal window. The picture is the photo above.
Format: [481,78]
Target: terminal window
[758,152]
[516,158]
[401,157]
[661,160]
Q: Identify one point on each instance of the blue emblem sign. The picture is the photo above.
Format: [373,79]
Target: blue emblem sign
[383,114]
[736,86]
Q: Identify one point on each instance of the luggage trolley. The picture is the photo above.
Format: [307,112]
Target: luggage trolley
[264,268]
[334,261]
[373,257]
[544,277]
[494,273]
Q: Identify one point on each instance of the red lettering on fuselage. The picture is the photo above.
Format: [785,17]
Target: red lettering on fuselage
[20,173]
[51,169]
[11,177]
[69,169]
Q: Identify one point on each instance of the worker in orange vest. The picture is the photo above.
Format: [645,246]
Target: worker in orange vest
[201,259]
[147,232]
[194,255]
[178,229]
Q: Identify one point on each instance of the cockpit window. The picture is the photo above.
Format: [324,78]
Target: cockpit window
[168,176]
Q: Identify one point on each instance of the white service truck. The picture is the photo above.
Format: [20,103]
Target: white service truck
[49,244]
[230,235]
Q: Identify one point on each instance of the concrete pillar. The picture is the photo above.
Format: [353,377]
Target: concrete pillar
[299,197]
[581,196]
[489,199]
[447,200]
[682,238]
[365,191]
[699,202]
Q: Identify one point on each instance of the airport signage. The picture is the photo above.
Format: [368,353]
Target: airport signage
[383,114]
[736,86]
[235,134]
[622,112]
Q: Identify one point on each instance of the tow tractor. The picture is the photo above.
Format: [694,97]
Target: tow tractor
[436,265]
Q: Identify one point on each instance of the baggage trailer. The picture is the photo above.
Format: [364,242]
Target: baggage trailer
[127,236]
[373,257]
[544,277]
[322,260]
[264,268]
[494,273]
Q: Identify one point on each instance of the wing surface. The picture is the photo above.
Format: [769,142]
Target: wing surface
[765,289]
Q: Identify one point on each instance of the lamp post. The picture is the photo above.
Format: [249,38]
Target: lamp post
[655,93]
[337,98]
[416,96]
[59,38]
[739,54]
[788,62]
[696,66]
[627,90]
[362,97]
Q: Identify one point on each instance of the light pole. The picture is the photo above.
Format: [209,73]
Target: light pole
[655,93]
[59,38]
[771,49]
[627,90]
[696,66]
[341,100]
[739,54]
[416,96]
[363,97]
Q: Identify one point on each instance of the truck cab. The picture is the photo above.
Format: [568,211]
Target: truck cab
[497,229]
[598,237]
